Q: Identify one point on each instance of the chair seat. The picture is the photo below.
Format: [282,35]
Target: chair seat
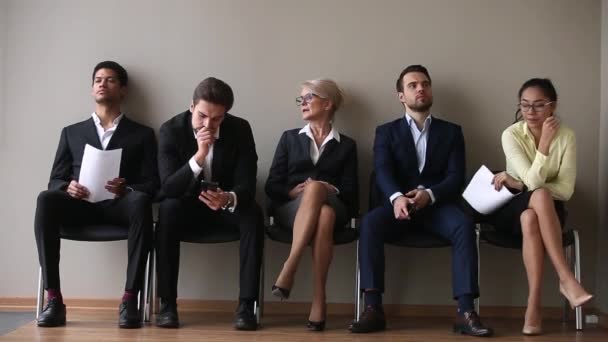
[341,236]
[508,240]
[420,239]
[94,232]
[217,234]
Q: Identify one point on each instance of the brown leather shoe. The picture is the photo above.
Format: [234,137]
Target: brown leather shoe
[470,324]
[372,319]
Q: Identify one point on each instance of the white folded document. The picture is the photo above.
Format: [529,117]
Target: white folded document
[98,167]
[482,196]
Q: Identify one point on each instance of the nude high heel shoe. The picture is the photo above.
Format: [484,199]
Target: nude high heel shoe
[575,302]
[531,330]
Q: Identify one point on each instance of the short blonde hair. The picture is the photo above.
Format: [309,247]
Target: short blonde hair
[327,89]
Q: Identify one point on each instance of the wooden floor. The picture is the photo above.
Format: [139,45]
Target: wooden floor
[95,325]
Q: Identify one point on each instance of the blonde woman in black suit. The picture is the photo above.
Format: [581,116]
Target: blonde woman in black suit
[313,185]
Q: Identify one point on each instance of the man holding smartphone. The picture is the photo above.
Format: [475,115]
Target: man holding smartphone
[208,165]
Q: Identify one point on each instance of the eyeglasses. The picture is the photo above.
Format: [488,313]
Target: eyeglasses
[537,107]
[306,99]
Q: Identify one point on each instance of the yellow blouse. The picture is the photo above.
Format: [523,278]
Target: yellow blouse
[555,172]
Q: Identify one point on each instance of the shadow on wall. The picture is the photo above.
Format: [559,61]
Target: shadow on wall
[356,120]
[137,104]
[481,132]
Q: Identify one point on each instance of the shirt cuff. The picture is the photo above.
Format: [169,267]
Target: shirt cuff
[234,202]
[431,195]
[333,186]
[196,169]
[394,196]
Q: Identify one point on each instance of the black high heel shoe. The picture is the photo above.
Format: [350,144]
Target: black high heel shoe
[316,326]
[280,292]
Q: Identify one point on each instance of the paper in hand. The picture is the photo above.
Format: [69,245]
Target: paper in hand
[481,194]
[98,167]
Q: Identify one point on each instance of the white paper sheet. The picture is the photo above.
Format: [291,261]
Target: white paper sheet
[482,196]
[98,167]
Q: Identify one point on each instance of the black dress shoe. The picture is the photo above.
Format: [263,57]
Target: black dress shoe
[167,317]
[280,292]
[316,326]
[129,316]
[53,314]
[245,319]
[470,324]
[372,319]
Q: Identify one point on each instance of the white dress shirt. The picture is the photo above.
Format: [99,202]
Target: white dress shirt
[315,152]
[421,138]
[105,134]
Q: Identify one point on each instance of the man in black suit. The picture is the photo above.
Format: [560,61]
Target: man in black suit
[64,203]
[205,143]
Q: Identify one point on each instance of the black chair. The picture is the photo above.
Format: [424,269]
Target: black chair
[411,239]
[218,234]
[102,233]
[570,241]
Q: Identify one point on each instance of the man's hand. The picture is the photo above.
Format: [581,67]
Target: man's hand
[117,186]
[215,200]
[419,198]
[204,139]
[77,191]
[400,208]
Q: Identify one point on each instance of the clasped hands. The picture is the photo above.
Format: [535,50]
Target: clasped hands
[404,206]
[298,189]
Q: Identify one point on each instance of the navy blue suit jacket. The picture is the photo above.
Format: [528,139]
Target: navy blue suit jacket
[396,163]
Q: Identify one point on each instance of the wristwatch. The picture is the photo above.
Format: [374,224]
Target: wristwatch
[230,202]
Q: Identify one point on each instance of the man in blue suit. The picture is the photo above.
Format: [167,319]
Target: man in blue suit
[419,162]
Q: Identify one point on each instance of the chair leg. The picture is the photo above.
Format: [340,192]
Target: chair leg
[147,286]
[154,283]
[566,315]
[477,233]
[577,275]
[357,285]
[40,298]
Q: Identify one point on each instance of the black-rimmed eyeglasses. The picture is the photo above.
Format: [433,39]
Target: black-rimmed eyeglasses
[536,107]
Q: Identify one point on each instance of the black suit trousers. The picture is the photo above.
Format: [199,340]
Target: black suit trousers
[56,208]
[188,214]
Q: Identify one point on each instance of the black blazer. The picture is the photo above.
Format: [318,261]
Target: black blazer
[292,165]
[234,164]
[137,164]
[396,161]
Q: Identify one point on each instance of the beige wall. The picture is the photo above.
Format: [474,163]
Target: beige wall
[478,52]
[602,255]
[2,52]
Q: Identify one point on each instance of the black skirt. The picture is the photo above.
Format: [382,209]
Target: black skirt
[507,218]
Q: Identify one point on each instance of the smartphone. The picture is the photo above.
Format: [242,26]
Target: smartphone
[206,185]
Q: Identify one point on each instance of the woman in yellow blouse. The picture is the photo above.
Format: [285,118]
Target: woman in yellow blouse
[541,163]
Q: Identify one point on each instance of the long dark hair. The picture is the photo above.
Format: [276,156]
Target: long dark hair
[544,84]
